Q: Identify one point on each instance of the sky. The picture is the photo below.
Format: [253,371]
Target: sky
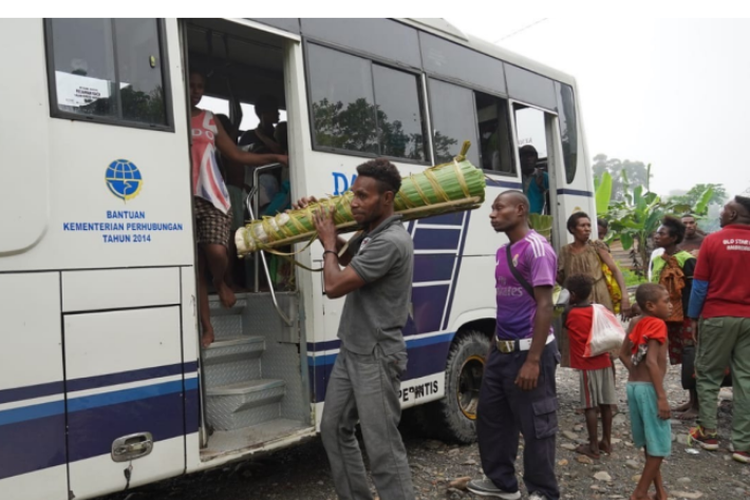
[671,92]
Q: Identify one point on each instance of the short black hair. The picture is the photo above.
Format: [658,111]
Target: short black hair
[199,72]
[580,284]
[744,201]
[675,226]
[687,215]
[648,292]
[383,171]
[518,196]
[602,222]
[528,149]
[266,102]
[573,220]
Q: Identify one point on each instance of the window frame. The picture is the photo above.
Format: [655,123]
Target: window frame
[417,73]
[474,89]
[56,112]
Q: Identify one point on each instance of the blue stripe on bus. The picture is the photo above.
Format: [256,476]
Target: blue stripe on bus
[92,431]
[505,184]
[433,267]
[458,270]
[32,445]
[437,239]
[453,219]
[31,392]
[427,356]
[82,384]
[323,346]
[42,410]
[38,441]
[575,192]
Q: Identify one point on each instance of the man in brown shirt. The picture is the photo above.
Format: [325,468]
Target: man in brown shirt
[693,236]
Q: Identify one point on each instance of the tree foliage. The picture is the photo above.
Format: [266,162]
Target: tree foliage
[622,173]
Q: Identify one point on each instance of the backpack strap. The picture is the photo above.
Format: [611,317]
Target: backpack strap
[516,274]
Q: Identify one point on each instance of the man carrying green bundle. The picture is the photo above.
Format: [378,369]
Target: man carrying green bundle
[366,376]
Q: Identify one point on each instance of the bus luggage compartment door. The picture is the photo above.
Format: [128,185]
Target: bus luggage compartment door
[125,390]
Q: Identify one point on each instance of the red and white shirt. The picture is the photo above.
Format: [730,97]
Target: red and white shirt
[207,180]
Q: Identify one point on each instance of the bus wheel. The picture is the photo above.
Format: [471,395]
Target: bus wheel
[463,378]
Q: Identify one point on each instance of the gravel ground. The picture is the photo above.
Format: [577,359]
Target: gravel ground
[440,471]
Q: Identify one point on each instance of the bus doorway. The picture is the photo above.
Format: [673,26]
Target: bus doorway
[255,393]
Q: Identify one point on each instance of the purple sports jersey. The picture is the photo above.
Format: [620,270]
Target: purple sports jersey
[536,261]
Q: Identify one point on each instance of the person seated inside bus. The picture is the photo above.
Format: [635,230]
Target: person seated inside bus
[261,138]
[211,199]
[280,136]
[535,180]
[234,173]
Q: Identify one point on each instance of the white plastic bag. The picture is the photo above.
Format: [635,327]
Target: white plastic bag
[606,334]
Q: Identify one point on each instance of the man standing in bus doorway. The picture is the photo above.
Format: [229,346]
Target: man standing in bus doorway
[535,180]
[366,376]
[518,392]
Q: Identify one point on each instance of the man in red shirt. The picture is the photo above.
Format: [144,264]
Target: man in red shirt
[721,299]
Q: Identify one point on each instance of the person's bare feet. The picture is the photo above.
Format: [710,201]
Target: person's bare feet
[690,414]
[207,338]
[649,496]
[683,407]
[226,295]
[585,449]
[604,447]
[661,494]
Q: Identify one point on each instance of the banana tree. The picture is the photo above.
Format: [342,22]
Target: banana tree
[636,218]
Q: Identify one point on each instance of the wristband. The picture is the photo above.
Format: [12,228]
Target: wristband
[330,251]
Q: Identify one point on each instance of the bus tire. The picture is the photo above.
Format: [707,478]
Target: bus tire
[463,378]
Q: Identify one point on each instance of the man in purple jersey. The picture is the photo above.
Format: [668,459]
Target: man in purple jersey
[518,393]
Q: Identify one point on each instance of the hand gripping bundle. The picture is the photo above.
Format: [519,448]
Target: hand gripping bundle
[450,187]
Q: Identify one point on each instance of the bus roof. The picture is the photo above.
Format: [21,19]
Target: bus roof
[444,29]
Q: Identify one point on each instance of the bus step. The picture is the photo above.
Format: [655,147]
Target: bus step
[227,323]
[233,360]
[243,404]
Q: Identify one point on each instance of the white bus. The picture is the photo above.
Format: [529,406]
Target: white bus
[103,385]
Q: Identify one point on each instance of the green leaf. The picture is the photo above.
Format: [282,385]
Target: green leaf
[627,241]
[603,194]
[702,206]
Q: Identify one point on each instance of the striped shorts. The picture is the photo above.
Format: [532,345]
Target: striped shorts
[597,387]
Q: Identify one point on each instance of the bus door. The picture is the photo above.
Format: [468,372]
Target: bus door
[536,133]
[255,393]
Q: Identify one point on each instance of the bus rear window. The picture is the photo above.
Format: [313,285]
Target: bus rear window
[108,70]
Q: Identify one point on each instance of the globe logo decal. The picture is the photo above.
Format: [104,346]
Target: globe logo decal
[123,179]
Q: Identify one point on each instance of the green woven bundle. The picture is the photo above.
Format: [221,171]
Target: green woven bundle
[450,187]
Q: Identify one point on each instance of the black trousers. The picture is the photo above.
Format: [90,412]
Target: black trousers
[505,411]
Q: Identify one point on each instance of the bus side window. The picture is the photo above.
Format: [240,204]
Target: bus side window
[568,129]
[108,70]
[494,134]
[363,107]
[453,121]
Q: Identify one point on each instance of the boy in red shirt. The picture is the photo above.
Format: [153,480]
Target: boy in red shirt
[644,354]
[596,375]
